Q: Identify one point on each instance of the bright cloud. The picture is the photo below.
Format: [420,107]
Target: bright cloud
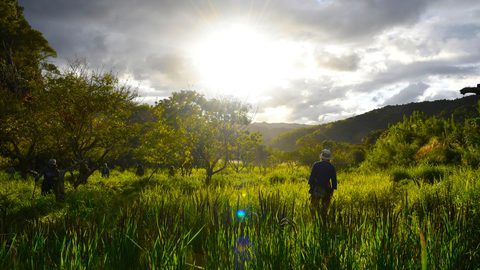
[305,61]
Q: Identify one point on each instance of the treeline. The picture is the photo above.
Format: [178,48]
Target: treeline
[368,126]
[421,140]
[417,140]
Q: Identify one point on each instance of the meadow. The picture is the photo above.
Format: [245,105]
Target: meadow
[414,218]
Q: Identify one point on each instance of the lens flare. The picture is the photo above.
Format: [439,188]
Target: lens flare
[241,214]
[243,252]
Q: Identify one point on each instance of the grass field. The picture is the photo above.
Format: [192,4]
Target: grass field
[419,218]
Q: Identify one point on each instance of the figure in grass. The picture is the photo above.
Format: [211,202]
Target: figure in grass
[322,181]
[53,180]
[105,171]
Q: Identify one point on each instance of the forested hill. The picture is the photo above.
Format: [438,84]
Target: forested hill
[370,124]
[271,131]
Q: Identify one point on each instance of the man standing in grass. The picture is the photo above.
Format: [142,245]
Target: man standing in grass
[322,181]
[53,180]
[105,171]
[50,177]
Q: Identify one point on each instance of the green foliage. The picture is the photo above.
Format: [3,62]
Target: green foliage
[344,154]
[366,127]
[429,174]
[23,55]
[276,178]
[418,140]
[87,113]
[245,149]
[176,222]
[192,130]
[399,174]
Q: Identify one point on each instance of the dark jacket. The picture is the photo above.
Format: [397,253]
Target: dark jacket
[50,174]
[50,178]
[322,173]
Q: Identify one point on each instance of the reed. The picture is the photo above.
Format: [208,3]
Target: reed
[246,222]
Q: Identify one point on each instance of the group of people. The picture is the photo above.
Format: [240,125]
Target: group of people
[322,181]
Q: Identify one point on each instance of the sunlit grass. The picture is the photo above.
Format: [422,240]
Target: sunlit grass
[163,222]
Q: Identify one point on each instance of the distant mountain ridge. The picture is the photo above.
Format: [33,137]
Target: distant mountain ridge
[355,129]
[270,131]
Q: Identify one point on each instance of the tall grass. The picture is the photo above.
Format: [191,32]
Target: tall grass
[127,222]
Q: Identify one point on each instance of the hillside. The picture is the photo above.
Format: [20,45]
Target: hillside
[271,131]
[355,129]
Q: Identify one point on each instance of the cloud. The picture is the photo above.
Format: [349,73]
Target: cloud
[411,93]
[172,65]
[445,94]
[398,73]
[308,103]
[348,62]
[363,49]
[349,20]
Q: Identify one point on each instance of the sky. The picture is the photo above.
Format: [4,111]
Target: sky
[293,61]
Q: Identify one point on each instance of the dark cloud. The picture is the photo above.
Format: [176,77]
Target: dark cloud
[72,25]
[409,94]
[398,72]
[131,29]
[350,19]
[461,31]
[174,66]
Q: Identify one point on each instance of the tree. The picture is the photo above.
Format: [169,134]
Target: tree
[23,51]
[140,122]
[262,157]
[244,149]
[164,145]
[222,118]
[89,113]
[23,55]
[196,131]
[417,139]
[22,135]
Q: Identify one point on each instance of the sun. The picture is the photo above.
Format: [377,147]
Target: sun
[238,59]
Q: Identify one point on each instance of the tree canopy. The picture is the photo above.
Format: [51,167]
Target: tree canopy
[195,131]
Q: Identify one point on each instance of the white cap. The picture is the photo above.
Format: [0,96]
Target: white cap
[326,154]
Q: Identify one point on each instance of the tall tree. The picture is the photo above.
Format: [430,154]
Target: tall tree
[23,51]
[223,118]
[89,114]
[23,55]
